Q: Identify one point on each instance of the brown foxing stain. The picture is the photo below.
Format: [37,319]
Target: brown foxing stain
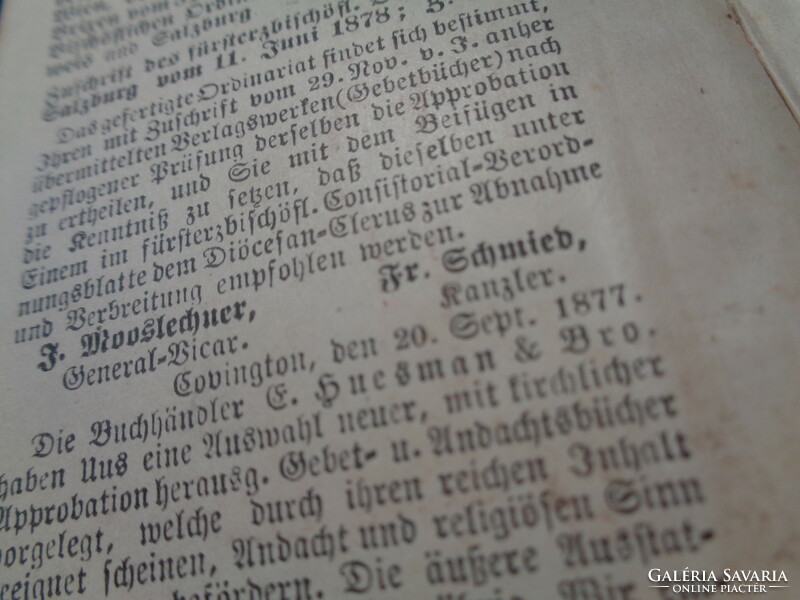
[786,553]
[742,184]
[783,290]
[736,308]
[726,415]
[708,440]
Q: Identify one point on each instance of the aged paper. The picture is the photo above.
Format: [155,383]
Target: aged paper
[773,30]
[395,300]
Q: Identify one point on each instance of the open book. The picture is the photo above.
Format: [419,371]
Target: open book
[399,299]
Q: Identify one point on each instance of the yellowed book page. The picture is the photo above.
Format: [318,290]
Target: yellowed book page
[448,300]
[773,28]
